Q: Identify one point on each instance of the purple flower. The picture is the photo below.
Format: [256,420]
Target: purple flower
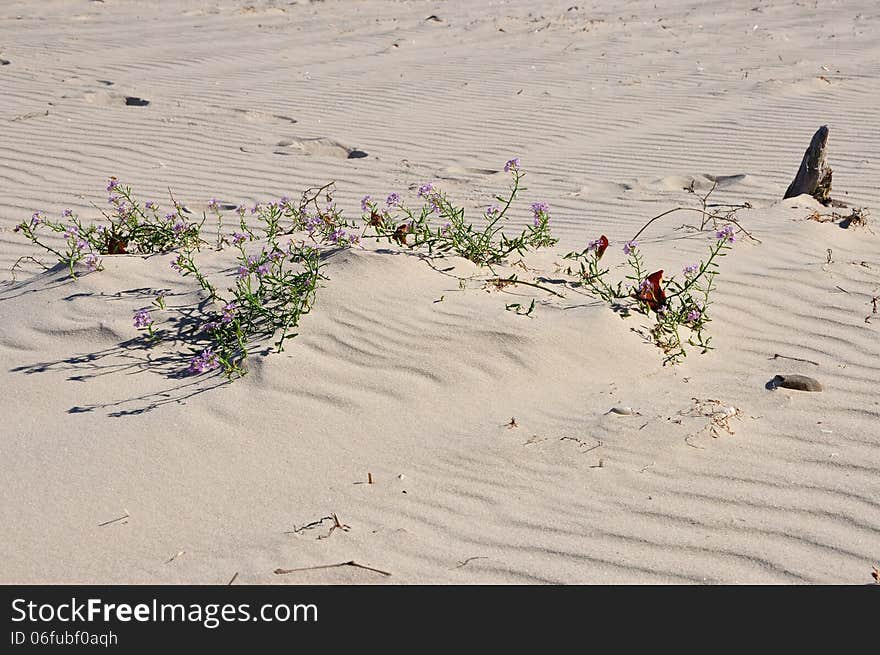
[112,184]
[313,223]
[540,208]
[512,165]
[177,264]
[630,247]
[446,228]
[142,319]
[214,205]
[255,209]
[243,272]
[92,262]
[81,244]
[170,217]
[393,200]
[691,269]
[100,229]
[36,219]
[71,233]
[263,269]
[237,238]
[366,201]
[285,201]
[241,210]
[693,316]
[151,205]
[207,361]
[178,227]
[210,325]
[425,189]
[492,210]
[726,234]
[540,213]
[67,213]
[228,313]
[276,255]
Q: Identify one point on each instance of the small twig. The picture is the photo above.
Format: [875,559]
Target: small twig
[121,518]
[645,468]
[796,359]
[501,281]
[233,579]
[331,566]
[174,557]
[581,443]
[704,213]
[468,560]
[26,258]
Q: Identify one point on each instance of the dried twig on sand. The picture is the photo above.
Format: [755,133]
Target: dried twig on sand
[331,566]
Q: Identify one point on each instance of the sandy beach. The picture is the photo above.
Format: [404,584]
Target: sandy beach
[425,423]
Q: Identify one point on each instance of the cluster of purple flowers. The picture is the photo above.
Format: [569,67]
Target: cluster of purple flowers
[74,239]
[630,247]
[340,237]
[492,211]
[177,264]
[691,269]
[366,203]
[238,238]
[393,200]
[512,165]
[112,184]
[92,262]
[540,212]
[214,205]
[142,319]
[425,189]
[228,313]
[206,361]
[694,315]
[726,233]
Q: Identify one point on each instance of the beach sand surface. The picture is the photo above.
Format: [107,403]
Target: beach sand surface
[115,469]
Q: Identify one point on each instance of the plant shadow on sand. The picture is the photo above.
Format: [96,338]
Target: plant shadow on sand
[139,355]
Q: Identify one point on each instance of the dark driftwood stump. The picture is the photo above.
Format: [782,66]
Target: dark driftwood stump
[814,175]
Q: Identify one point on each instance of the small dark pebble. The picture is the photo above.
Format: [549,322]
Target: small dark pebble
[133,101]
[356,154]
[4,62]
[798,382]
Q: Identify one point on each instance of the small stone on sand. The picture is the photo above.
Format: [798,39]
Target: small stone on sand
[798,382]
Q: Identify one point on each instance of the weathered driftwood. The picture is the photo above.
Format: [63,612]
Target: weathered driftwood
[814,175]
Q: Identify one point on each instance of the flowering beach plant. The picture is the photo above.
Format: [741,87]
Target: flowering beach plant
[129,228]
[674,302]
[274,286]
[441,227]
